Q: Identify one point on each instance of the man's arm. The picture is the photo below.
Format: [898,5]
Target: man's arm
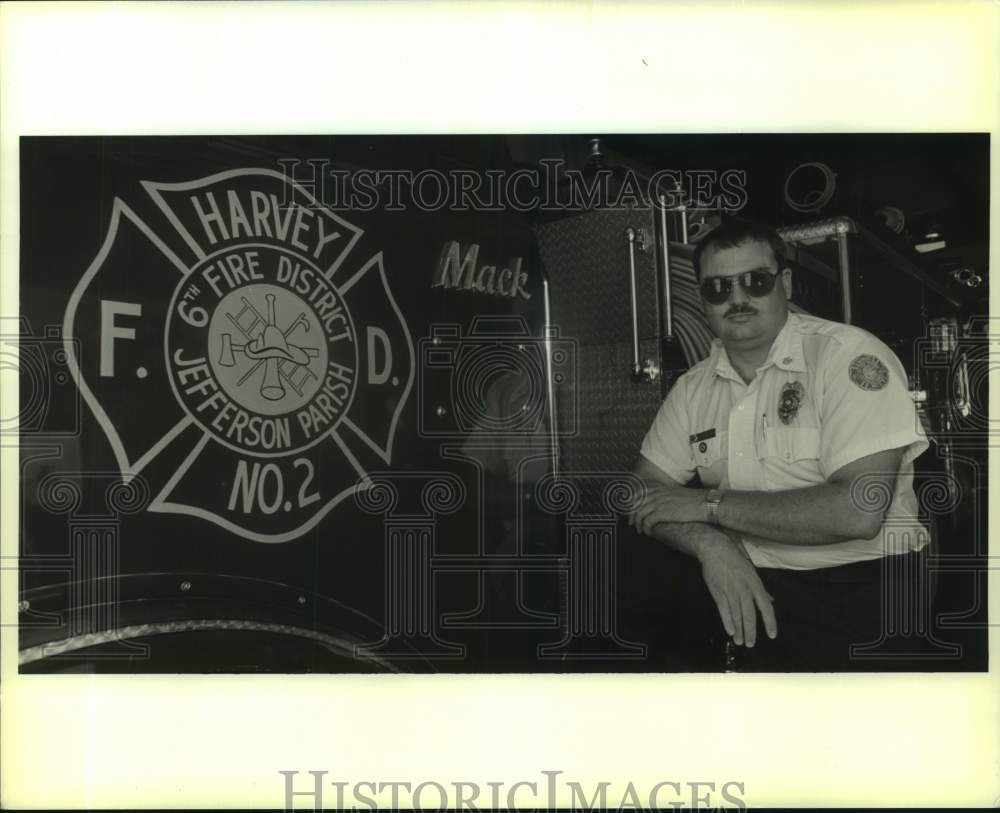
[817,515]
[833,511]
[729,575]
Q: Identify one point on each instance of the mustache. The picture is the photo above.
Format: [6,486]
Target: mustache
[740,309]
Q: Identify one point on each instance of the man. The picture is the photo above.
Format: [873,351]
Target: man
[803,435]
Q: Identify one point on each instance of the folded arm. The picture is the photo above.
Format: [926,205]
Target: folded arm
[850,505]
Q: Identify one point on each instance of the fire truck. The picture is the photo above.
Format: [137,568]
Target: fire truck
[363,404]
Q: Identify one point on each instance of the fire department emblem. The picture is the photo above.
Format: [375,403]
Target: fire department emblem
[869,372]
[240,344]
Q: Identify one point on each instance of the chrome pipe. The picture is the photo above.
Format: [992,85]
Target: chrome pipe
[681,211]
[668,305]
[844,254]
[630,236]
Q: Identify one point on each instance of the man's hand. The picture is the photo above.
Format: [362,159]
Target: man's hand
[735,587]
[729,575]
[665,503]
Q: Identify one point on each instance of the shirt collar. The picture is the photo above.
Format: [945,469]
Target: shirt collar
[722,366]
[785,354]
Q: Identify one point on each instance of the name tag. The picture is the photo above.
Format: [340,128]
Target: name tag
[706,435]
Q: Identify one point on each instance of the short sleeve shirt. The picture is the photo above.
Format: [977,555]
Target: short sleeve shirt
[827,395]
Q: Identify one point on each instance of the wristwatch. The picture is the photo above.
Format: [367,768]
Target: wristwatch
[712,501]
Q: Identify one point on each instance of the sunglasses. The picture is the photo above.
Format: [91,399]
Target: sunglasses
[756,283]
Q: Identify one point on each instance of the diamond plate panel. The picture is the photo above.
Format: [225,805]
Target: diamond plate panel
[587,261]
[614,410]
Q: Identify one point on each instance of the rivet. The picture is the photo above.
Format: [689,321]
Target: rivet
[302,599]
[23,606]
[185,586]
[440,412]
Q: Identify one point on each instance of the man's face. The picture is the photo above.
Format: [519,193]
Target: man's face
[743,321]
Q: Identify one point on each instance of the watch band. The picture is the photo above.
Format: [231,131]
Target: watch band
[712,501]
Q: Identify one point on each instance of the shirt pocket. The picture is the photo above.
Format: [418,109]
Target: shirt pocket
[710,451]
[791,444]
[790,456]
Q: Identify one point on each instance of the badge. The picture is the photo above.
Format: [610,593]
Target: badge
[790,401]
[868,372]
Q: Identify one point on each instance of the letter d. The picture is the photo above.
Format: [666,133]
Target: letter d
[376,334]
[284,269]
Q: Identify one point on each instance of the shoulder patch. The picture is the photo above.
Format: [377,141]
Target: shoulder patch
[869,372]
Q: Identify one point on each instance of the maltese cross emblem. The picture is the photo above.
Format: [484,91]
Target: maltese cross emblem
[234,341]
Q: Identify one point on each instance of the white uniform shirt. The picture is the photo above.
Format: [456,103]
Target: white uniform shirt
[827,395]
